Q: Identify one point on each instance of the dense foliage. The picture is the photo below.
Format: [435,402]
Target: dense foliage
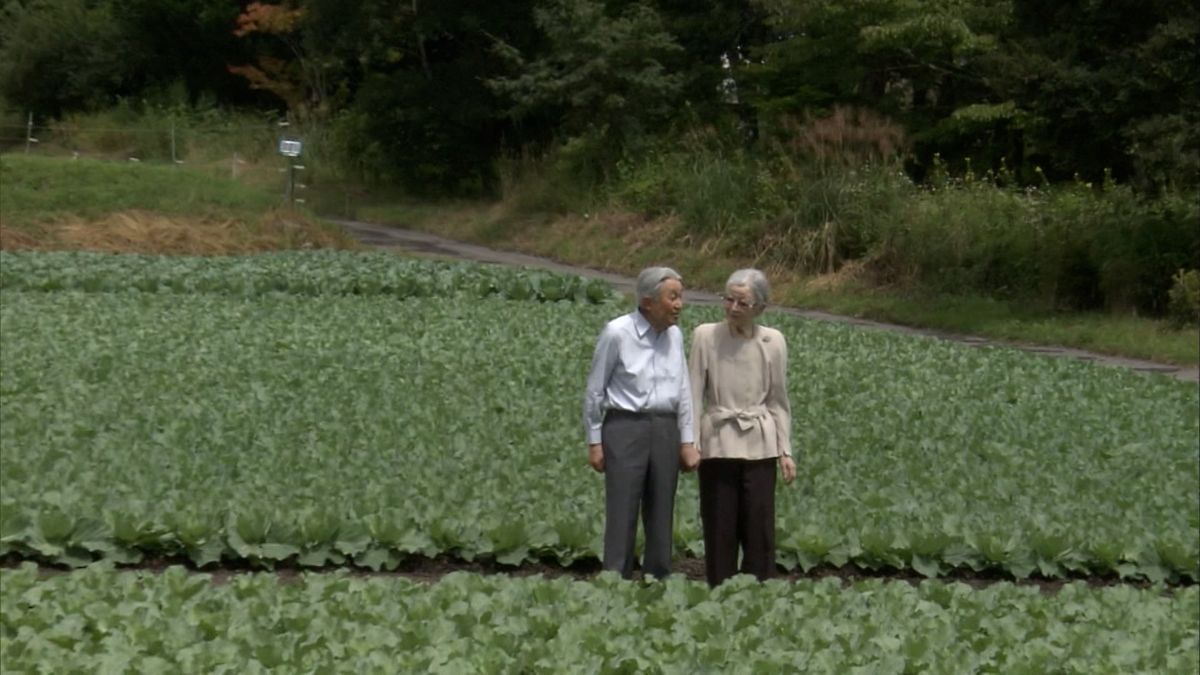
[258,424]
[419,94]
[174,621]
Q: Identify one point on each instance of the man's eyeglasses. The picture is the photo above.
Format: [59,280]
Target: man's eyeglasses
[738,302]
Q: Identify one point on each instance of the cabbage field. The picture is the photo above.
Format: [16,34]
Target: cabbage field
[98,620]
[318,410]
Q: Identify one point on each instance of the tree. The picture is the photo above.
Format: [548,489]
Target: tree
[183,44]
[59,55]
[912,60]
[714,36]
[418,110]
[292,73]
[1082,87]
[1108,85]
[605,73]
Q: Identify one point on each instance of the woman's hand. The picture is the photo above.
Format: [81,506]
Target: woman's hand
[788,467]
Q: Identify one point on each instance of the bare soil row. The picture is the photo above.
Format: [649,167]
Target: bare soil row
[432,570]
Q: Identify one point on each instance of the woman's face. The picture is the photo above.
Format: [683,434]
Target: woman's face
[739,305]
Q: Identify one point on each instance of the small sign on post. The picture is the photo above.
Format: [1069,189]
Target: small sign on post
[290,147]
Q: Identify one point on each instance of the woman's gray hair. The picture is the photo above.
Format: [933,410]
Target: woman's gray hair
[754,280]
[650,281]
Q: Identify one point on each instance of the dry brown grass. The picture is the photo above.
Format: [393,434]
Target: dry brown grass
[848,135]
[151,233]
[851,275]
[18,240]
[877,272]
[608,240]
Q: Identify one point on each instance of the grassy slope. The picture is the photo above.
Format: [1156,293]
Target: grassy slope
[38,189]
[624,243]
[149,208]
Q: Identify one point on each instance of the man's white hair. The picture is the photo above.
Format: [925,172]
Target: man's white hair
[650,281]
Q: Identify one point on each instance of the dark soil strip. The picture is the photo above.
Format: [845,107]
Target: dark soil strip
[431,570]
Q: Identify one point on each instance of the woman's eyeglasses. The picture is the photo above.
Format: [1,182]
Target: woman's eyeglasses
[738,302]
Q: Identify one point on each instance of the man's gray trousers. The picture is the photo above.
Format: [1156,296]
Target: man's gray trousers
[641,471]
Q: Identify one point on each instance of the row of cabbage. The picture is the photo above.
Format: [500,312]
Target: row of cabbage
[363,430]
[307,273]
[98,620]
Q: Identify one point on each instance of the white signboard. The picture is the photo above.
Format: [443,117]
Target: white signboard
[290,147]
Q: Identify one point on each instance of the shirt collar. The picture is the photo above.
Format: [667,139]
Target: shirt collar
[641,325]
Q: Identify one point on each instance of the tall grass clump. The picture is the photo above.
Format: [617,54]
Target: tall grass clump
[1183,300]
[1075,246]
[712,185]
[827,181]
[569,177]
[803,198]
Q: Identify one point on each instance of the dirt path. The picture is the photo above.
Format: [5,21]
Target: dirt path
[421,243]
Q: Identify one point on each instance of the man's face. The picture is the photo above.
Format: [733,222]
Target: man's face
[663,311]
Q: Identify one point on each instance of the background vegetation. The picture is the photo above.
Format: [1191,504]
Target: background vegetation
[1035,154]
[50,204]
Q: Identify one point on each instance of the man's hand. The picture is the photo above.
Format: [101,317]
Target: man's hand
[788,467]
[596,457]
[689,457]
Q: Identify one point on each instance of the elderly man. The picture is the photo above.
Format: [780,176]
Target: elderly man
[637,415]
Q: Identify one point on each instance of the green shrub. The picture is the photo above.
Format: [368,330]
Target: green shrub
[564,180]
[1146,242]
[717,194]
[1184,298]
[712,186]
[646,184]
[1072,247]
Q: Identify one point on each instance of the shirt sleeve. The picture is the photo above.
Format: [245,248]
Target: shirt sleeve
[697,376]
[778,405]
[603,361]
[684,417]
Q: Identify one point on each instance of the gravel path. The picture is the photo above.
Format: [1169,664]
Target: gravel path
[389,238]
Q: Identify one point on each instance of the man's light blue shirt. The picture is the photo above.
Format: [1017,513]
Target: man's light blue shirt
[638,369]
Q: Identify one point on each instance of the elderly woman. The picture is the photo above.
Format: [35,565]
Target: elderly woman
[738,373]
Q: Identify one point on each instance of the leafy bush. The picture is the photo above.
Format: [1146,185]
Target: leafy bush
[714,188]
[1184,303]
[1140,245]
[1074,247]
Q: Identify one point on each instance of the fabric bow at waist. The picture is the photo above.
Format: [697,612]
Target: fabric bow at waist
[746,418]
